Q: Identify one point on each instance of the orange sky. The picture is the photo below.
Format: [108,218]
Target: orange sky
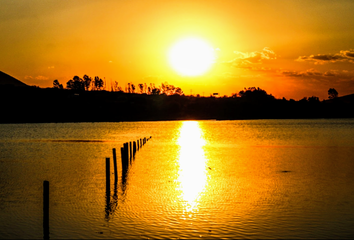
[292,48]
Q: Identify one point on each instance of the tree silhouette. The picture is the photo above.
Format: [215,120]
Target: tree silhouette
[313,99]
[129,88]
[332,93]
[303,100]
[76,84]
[255,94]
[178,91]
[141,87]
[155,91]
[98,83]
[87,82]
[116,87]
[57,85]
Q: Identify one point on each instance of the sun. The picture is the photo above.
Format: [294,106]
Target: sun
[191,57]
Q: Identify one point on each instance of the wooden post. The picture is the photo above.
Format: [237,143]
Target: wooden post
[108,178]
[134,148]
[46,209]
[115,166]
[108,188]
[126,154]
[122,154]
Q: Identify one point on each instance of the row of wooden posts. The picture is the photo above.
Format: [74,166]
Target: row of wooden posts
[131,147]
[128,152]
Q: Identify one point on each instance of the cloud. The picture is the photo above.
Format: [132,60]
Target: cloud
[36,78]
[342,56]
[248,60]
[41,78]
[262,69]
[343,75]
[307,73]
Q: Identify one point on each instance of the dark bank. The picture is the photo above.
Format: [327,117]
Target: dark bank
[35,105]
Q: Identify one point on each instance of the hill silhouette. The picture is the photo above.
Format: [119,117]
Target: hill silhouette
[6,79]
[343,99]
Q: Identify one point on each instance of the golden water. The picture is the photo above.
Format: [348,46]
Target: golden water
[193,179]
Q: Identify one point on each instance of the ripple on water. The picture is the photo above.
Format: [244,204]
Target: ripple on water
[247,191]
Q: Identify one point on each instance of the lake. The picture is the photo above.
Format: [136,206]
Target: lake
[192,179]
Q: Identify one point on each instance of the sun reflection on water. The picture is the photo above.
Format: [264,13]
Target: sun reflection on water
[192,176]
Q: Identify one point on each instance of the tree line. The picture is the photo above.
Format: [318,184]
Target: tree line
[87,83]
[258,94]
[92,105]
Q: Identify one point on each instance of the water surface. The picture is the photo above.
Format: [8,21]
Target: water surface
[193,179]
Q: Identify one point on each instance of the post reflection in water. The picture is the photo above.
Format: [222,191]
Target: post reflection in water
[111,203]
[124,182]
[192,176]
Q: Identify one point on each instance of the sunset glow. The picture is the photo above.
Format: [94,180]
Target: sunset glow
[191,57]
[192,164]
[177,119]
[292,49]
